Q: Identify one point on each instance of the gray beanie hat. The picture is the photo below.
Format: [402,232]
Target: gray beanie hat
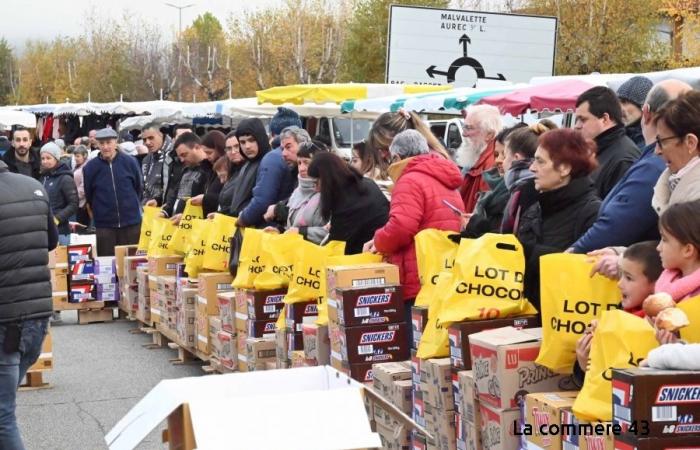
[635,90]
[52,149]
[409,143]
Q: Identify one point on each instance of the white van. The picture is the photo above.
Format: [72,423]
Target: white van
[341,133]
[449,131]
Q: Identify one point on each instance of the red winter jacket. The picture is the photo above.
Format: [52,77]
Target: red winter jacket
[474,182]
[416,204]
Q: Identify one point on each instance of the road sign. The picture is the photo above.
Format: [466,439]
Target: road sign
[438,46]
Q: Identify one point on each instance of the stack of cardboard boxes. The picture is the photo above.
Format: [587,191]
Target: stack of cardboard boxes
[365,313]
[186,320]
[81,271]
[162,288]
[253,315]
[296,316]
[438,402]
[209,285]
[393,382]
[58,265]
[127,272]
[106,286]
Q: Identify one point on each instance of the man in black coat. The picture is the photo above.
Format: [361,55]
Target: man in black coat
[27,235]
[22,158]
[599,117]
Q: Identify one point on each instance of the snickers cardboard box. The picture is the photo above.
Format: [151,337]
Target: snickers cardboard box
[297,314]
[362,276]
[543,417]
[261,329]
[361,372]
[370,343]
[667,401]
[419,319]
[503,363]
[366,306]
[459,335]
[649,443]
[264,305]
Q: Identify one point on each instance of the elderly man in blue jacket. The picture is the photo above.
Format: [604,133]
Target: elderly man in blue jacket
[113,189]
[626,215]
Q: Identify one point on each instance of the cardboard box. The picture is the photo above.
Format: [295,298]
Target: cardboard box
[186,326]
[211,283]
[469,400]
[298,359]
[668,400]
[316,344]
[187,298]
[441,424]
[58,257]
[543,417]
[385,374]
[665,443]
[59,282]
[503,362]
[81,292]
[131,264]
[79,252]
[261,328]
[459,333]
[263,305]
[82,271]
[297,314]
[227,310]
[281,349]
[394,438]
[362,276]
[370,343]
[468,434]
[580,434]
[436,383]
[120,253]
[163,265]
[419,319]
[377,305]
[361,372]
[401,395]
[202,330]
[498,428]
[259,351]
[228,353]
[45,360]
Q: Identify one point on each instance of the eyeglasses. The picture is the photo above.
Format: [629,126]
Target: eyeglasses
[660,141]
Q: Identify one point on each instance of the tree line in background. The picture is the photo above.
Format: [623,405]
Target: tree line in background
[315,41]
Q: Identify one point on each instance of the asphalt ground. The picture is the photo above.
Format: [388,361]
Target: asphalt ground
[100,371]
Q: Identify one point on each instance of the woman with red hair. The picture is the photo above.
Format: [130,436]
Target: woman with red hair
[567,203]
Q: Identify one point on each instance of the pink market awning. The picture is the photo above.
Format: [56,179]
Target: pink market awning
[561,96]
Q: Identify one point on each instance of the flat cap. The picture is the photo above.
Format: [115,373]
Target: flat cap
[106,133]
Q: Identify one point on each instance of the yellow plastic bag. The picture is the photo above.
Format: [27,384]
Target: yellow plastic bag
[161,238]
[487,280]
[621,340]
[277,254]
[249,263]
[309,276]
[197,243]
[149,214]
[570,300]
[340,260]
[435,253]
[691,307]
[218,249]
[184,228]
[434,342]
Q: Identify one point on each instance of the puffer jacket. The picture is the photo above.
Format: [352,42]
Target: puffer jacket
[417,204]
[63,195]
[25,239]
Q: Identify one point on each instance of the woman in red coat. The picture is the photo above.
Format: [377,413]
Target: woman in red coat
[417,203]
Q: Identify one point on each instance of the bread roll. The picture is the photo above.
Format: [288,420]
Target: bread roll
[672,319]
[656,303]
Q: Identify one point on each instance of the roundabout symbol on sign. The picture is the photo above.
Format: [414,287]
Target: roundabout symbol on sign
[462,61]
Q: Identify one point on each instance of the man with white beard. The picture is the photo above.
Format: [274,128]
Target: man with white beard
[476,155]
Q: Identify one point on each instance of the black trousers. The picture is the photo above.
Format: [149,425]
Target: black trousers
[107,238]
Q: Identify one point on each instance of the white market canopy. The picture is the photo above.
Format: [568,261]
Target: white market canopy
[9,118]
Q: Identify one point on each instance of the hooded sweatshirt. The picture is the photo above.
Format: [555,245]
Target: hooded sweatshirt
[247,177]
[417,204]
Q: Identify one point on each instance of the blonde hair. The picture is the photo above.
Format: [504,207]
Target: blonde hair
[388,125]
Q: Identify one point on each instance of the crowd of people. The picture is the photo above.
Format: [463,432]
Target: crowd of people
[599,188]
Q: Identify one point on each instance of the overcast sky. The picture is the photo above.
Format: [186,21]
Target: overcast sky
[46,19]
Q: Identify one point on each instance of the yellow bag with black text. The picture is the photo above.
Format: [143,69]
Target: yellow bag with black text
[621,340]
[150,213]
[434,341]
[197,243]
[161,238]
[184,228]
[487,281]
[309,275]
[277,253]
[570,299]
[249,264]
[340,260]
[691,307]
[218,249]
[435,253]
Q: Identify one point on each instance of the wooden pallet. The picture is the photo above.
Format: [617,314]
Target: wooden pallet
[186,355]
[86,316]
[159,341]
[34,380]
[62,304]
